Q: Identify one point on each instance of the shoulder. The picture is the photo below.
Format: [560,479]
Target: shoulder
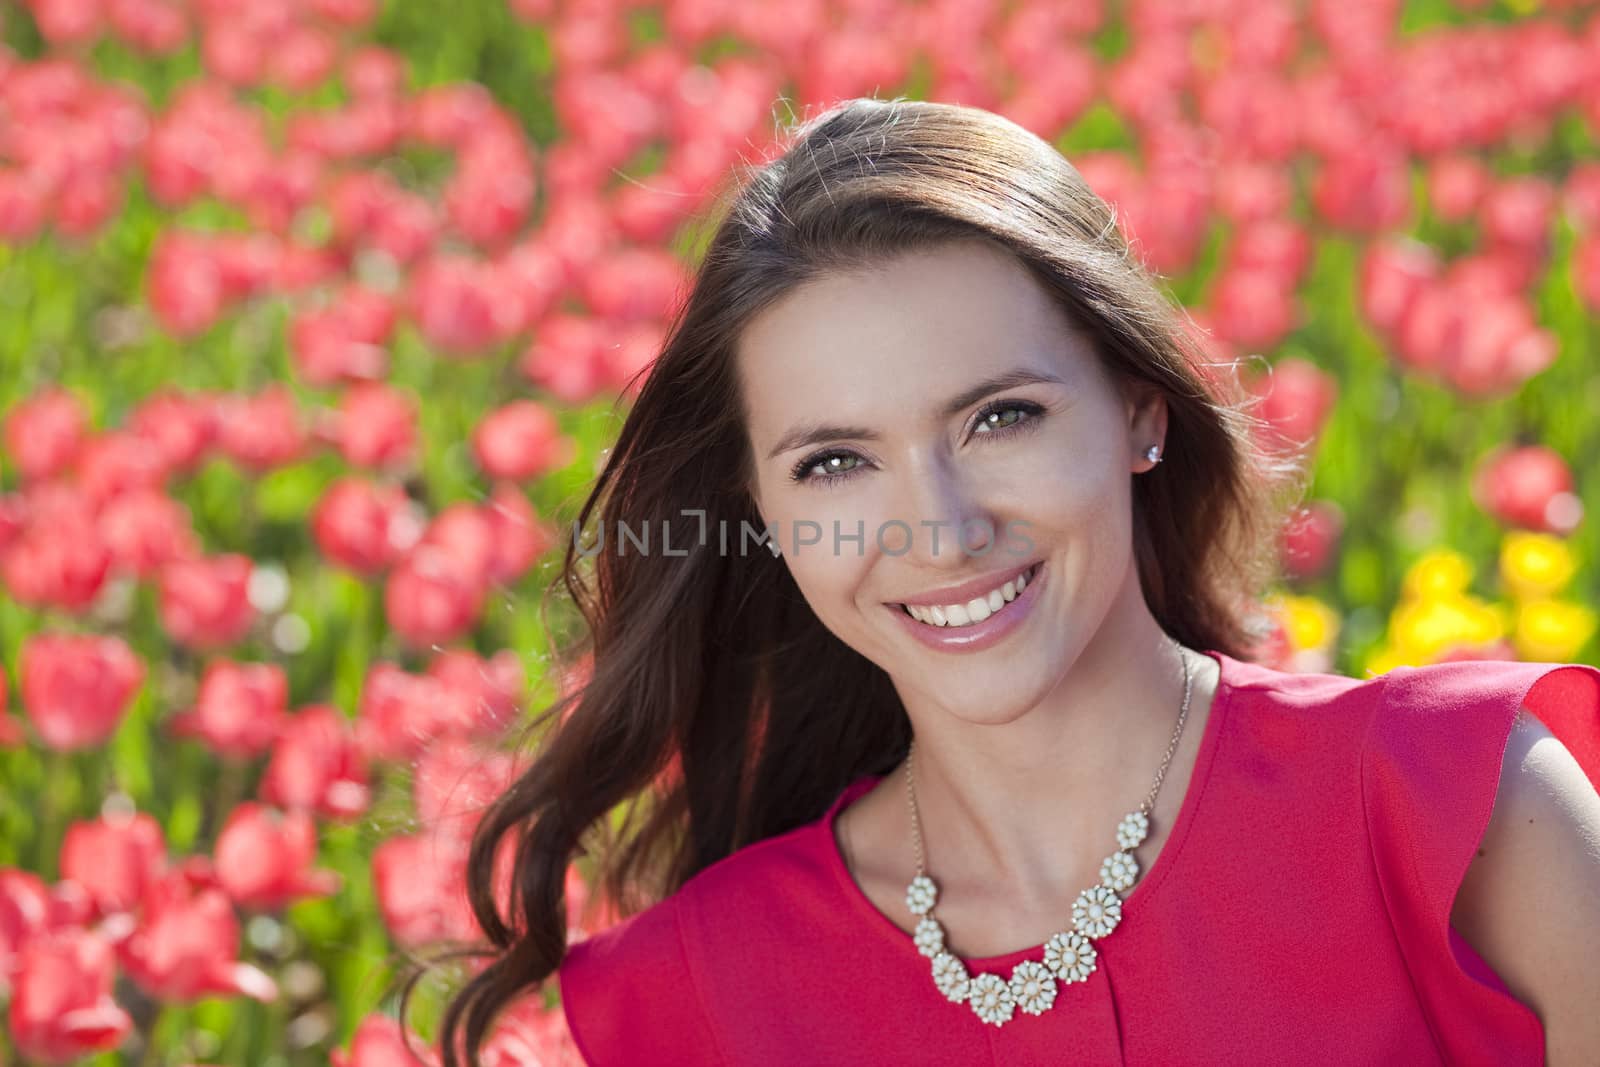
[1530,900]
[628,995]
[1457,758]
[637,991]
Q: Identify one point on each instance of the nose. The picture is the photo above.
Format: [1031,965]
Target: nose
[950,527]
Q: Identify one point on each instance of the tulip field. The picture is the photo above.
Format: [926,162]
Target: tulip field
[317,316]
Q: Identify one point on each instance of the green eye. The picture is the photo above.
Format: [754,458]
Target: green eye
[996,420]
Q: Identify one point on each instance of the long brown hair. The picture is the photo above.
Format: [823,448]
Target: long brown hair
[716,706]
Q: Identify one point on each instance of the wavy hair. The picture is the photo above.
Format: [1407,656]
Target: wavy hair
[714,704]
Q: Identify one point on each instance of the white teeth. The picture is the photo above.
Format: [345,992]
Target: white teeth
[973,611]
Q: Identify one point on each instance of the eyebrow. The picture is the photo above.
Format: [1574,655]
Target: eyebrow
[809,433]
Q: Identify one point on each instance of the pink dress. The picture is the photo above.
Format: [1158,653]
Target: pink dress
[1298,913]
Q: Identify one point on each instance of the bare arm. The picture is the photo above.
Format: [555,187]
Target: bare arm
[1530,901]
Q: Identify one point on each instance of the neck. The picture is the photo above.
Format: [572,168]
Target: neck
[997,803]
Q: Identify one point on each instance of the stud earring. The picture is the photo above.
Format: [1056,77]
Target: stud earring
[1153,453]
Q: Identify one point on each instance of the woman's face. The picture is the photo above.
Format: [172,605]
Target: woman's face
[944,398]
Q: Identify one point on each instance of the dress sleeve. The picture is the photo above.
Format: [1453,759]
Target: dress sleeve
[1430,770]
[629,998]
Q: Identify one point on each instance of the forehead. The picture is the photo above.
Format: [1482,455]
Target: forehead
[917,329]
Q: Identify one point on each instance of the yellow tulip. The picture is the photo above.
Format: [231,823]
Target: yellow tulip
[1309,623]
[1424,629]
[1437,572]
[1535,564]
[1552,630]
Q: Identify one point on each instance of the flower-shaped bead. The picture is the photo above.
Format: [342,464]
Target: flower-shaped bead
[930,936]
[991,999]
[1033,987]
[1070,956]
[921,894]
[1096,912]
[950,975]
[1119,871]
[1133,829]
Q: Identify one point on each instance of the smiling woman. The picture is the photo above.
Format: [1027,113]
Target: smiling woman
[1019,518]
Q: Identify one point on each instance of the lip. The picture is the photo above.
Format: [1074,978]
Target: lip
[960,594]
[979,635]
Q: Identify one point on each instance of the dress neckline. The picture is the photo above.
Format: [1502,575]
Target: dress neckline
[1149,881]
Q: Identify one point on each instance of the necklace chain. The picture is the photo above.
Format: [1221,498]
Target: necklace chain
[1069,956]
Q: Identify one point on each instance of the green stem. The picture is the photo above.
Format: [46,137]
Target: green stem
[151,1055]
[58,769]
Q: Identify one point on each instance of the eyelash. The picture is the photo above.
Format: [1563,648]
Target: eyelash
[1033,411]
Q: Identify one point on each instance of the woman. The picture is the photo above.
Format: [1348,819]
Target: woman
[1015,519]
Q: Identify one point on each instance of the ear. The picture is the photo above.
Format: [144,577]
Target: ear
[1146,407]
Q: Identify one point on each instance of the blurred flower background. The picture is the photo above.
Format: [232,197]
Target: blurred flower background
[316,317]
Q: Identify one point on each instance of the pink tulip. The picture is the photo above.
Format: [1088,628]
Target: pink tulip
[303,59]
[374,71]
[118,462]
[527,1034]
[1586,269]
[1528,486]
[491,193]
[365,527]
[432,597]
[1311,538]
[317,765]
[180,427]
[1277,246]
[144,530]
[153,27]
[380,1041]
[1365,190]
[1393,271]
[115,859]
[205,600]
[1581,196]
[44,433]
[186,946]
[635,283]
[401,713]
[264,857]
[1456,186]
[28,908]
[76,687]
[1253,308]
[1499,347]
[377,426]
[464,532]
[343,341]
[420,884]
[491,689]
[67,22]
[1519,211]
[263,431]
[185,284]
[61,1006]
[1296,397]
[520,537]
[520,441]
[239,708]
[565,358]
[41,567]
[455,781]
[460,308]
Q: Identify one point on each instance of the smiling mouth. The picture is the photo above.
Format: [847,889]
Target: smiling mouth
[976,610]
